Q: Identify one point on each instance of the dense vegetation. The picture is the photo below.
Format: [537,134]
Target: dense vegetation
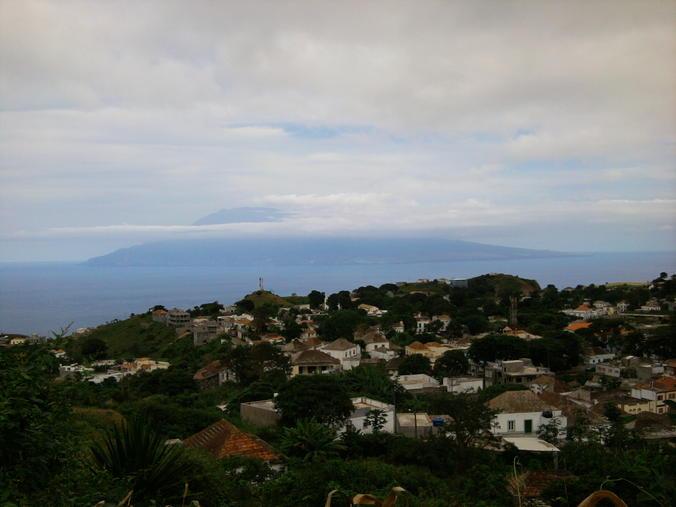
[91,442]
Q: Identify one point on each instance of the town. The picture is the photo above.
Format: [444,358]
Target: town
[482,391]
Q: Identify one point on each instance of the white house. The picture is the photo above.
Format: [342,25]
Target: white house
[418,383]
[444,319]
[608,369]
[362,408]
[523,413]
[651,306]
[586,312]
[398,328]
[371,310]
[622,306]
[421,323]
[346,352]
[596,356]
[459,385]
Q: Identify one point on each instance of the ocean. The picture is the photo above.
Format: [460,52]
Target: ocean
[40,297]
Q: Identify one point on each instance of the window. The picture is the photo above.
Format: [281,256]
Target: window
[510,425]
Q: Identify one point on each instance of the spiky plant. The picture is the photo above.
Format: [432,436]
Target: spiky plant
[310,440]
[134,452]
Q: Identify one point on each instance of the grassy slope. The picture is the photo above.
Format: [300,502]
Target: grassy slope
[261,298]
[137,336]
[502,283]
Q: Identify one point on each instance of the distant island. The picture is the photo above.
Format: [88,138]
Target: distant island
[310,251]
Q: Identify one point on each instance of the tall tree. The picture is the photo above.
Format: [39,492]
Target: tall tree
[415,363]
[322,397]
[451,363]
[316,298]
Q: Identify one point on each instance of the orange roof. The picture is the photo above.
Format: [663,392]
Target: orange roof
[417,345]
[223,439]
[666,383]
[660,384]
[574,326]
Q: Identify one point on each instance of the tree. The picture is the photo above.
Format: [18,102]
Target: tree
[322,397]
[292,330]
[469,420]
[342,324]
[372,381]
[94,348]
[549,432]
[310,440]
[245,305]
[452,363]
[135,453]
[171,382]
[415,363]
[257,362]
[35,420]
[375,419]
[316,298]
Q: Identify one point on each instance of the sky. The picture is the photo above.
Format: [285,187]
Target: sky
[531,124]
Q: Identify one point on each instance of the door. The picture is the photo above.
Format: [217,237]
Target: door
[528,426]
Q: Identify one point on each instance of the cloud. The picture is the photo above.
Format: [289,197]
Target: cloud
[455,116]
[253,132]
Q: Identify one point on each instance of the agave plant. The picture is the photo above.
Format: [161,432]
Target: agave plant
[134,452]
[310,440]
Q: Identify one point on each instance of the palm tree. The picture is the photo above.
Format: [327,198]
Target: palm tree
[133,451]
[310,440]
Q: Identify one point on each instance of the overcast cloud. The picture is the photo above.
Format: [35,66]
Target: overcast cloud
[522,123]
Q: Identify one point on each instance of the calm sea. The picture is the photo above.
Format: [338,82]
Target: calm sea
[39,297]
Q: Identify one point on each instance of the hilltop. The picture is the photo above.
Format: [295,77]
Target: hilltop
[503,284]
[263,297]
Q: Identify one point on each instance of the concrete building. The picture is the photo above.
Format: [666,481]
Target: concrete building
[658,391]
[414,425]
[517,371]
[419,383]
[362,408]
[178,318]
[523,413]
[345,351]
[260,413]
[462,385]
[311,362]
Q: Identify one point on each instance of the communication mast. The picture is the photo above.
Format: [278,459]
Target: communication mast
[260,284]
[512,312]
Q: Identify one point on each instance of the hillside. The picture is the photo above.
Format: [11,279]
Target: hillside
[309,251]
[137,336]
[263,297]
[503,284]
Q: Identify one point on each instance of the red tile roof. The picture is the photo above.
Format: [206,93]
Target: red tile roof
[660,384]
[574,326]
[223,439]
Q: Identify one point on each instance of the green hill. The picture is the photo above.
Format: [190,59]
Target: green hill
[501,284]
[137,336]
[264,297]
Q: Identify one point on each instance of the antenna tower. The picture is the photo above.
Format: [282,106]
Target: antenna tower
[512,312]
[260,284]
